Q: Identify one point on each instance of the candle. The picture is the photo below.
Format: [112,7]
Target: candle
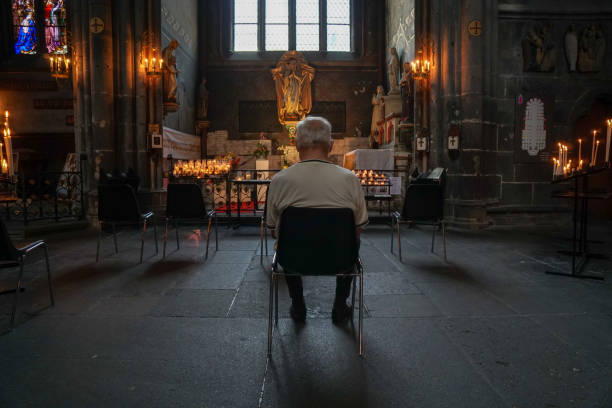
[580,165]
[51,63]
[608,136]
[596,150]
[146,64]
[593,148]
[161,61]
[579,149]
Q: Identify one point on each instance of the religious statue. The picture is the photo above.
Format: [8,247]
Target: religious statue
[203,105]
[539,52]
[292,77]
[407,92]
[170,72]
[378,113]
[591,49]
[393,72]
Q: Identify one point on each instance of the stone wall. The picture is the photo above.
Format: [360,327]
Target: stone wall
[350,79]
[179,21]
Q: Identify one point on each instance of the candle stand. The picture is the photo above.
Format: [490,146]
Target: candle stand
[580,194]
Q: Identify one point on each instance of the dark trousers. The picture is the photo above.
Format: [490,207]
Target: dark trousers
[296,291]
[343,286]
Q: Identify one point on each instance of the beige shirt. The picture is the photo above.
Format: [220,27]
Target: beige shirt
[315,184]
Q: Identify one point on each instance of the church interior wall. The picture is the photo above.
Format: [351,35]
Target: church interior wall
[346,84]
[527,182]
[179,21]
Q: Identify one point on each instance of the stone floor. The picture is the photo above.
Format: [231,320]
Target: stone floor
[487,329]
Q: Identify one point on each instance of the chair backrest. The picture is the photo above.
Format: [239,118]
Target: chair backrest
[317,241]
[424,199]
[117,202]
[8,252]
[185,201]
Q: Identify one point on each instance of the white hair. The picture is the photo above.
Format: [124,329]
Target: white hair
[313,131]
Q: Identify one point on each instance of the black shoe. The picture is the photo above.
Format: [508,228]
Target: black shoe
[341,313]
[298,313]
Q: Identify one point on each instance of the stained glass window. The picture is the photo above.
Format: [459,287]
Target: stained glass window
[55,27]
[292,23]
[277,25]
[307,25]
[245,25]
[24,26]
[338,25]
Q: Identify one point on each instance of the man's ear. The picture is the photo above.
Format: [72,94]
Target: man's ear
[331,145]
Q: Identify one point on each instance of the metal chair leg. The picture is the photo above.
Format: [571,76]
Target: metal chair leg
[361,313]
[393,221]
[142,239]
[216,236]
[207,237]
[353,297]
[17,290]
[433,237]
[177,234]
[270,305]
[165,238]
[444,239]
[51,295]
[266,239]
[276,302]
[115,238]
[399,241]
[155,236]
[261,241]
[99,239]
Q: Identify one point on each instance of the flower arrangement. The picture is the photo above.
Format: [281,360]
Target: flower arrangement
[233,160]
[261,151]
[285,162]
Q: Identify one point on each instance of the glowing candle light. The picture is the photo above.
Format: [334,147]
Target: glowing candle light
[161,61]
[51,63]
[608,137]
[579,149]
[596,150]
[593,148]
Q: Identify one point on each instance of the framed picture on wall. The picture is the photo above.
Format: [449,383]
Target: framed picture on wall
[533,128]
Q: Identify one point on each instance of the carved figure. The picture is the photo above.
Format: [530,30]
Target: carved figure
[203,106]
[378,111]
[571,48]
[393,72]
[539,53]
[407,92]
[170,72]
[591,49]
[292,77]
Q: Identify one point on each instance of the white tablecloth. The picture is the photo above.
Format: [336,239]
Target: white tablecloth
[369,159]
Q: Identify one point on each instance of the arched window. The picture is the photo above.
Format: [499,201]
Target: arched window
[55,27]
[24,27]
[303,25]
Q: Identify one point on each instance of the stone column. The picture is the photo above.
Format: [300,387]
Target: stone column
[101,79]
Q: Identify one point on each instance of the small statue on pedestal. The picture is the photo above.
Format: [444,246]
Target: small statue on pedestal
[378,115]
[394,67]
[170,72]
[407,92]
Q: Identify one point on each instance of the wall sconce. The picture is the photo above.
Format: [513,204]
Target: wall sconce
[420,67]
[153,66]
[60,67]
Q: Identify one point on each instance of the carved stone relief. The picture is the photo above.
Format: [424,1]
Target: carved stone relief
[539,51]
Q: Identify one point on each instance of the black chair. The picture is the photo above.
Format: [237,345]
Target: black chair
[185,202]
[118,205]
[423,204]
[11,257]
[316,241]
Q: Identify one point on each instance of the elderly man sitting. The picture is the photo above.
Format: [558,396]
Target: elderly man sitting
[317,183]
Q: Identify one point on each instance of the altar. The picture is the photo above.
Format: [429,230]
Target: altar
[369,159]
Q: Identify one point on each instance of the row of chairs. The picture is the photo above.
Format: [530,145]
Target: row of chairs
[118,205]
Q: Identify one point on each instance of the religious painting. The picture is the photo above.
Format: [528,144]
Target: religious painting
[533,128]
[55,27]
[24,26]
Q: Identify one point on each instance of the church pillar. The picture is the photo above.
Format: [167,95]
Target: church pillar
[101,79]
